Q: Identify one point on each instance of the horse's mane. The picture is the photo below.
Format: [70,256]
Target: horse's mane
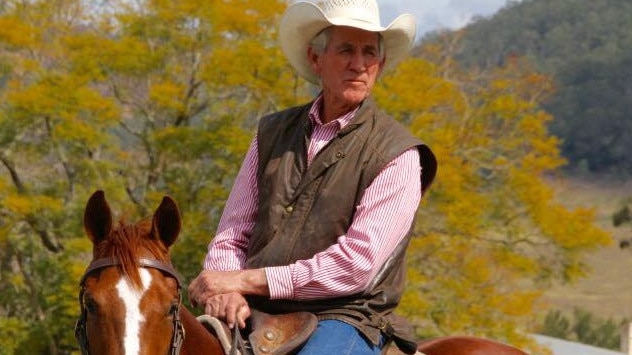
[128,243]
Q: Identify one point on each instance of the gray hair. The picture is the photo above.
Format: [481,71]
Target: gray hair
[321,40]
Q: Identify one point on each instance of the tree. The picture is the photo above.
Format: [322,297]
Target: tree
[138,101]
[49,118]
[583,45]
[490,235]
[583,327]
[163,98]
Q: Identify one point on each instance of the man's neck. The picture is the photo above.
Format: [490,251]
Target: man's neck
[330,111]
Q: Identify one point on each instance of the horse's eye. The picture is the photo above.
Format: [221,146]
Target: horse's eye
[90,304]
[174,308]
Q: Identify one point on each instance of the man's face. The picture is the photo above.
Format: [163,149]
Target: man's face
[349,66]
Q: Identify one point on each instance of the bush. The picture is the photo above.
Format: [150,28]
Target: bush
[585,328]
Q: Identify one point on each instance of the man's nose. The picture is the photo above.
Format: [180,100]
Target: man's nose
[357,62]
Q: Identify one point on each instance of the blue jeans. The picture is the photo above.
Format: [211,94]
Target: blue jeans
[336,337]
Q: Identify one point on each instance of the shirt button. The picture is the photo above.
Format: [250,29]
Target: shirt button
[340,155]
[289,209]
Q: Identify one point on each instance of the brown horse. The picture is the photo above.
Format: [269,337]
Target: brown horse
[466,345]
[131,295]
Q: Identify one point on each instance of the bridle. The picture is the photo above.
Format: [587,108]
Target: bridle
[177,336]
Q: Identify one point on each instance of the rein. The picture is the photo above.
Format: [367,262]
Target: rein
[178,329]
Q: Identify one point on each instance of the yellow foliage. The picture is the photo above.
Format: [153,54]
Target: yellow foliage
[27,205]
[167,96]
[130,56]
[489,231]
[244,17]
[17,281]
[18,204]
[16,33]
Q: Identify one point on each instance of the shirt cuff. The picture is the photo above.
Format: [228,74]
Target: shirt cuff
[280,282]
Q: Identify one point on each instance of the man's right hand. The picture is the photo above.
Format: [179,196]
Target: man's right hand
[229,307]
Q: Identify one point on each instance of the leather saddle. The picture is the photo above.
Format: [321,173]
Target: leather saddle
[270,334]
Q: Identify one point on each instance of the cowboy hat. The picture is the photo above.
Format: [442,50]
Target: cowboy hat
[303,20]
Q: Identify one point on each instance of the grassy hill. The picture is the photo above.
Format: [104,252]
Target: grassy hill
[607,290]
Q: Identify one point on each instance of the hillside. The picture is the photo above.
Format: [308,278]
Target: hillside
[607,290]
[585,47]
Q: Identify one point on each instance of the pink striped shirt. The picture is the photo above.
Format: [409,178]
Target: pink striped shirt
[381,221]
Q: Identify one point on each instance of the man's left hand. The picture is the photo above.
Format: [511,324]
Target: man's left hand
[211,283]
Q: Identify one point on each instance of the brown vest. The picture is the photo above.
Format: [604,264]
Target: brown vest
[303,211]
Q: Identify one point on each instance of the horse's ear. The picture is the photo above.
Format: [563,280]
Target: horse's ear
[167,223]
[97,218]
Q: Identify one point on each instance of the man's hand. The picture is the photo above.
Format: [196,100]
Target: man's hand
[221,293]
[230,307]
[210,283]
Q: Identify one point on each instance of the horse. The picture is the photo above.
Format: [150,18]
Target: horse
[131,296]
[466,345]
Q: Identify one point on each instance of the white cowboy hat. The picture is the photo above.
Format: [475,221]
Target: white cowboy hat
[303,20]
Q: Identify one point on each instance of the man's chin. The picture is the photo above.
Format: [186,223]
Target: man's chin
[356,95]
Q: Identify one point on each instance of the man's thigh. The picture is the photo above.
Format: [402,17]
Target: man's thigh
[336,337]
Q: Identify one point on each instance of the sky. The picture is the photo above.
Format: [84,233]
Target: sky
[438,14]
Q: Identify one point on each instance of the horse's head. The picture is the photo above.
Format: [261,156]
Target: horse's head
[130,294]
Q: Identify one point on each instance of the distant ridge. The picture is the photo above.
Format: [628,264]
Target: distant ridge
[586,47]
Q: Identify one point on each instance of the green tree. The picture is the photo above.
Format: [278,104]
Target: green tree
[583,327]
[556,325]
[583,45]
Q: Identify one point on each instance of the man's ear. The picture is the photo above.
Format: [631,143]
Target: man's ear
[314,60]
[382,62]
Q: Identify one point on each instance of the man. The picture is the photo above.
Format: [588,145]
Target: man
[320,214]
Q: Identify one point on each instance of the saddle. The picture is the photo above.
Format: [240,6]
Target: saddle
[270,334]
